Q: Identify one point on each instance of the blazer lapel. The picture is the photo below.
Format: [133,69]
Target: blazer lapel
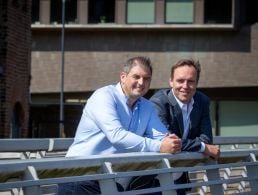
[195,115]
[177,112]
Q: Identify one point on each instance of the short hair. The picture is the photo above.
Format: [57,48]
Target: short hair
[186,62]
[138,60]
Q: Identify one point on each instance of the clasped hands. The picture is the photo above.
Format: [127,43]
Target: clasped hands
[171,144]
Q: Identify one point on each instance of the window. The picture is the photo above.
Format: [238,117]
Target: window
[17,120]
[35,11]
[70,11]
[238,118]
[251,11]
[140,11]
[179,11]
[101,11]
[217,12]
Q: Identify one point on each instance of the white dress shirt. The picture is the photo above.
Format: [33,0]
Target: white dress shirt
[186,111]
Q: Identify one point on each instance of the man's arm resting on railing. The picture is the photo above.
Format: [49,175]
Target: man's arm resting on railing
[212,151]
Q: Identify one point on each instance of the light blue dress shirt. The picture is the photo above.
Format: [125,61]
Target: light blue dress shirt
[108,125]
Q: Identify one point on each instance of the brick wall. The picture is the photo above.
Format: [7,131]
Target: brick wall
[15,64]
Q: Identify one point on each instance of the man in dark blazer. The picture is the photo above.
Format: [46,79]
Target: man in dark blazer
[185,111]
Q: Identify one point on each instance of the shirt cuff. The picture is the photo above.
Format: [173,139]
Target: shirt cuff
[157,147]
[202,147]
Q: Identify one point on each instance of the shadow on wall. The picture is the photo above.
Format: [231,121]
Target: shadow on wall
[145,40]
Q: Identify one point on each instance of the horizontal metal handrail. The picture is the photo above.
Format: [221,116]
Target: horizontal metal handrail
[62,144]
[33,173]
[229,140]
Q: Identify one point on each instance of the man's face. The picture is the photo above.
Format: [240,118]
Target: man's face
[136,83]
[184,83]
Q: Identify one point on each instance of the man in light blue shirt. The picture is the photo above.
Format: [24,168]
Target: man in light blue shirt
[118,119]
[118,127]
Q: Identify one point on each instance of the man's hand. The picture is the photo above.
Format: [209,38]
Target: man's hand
[171,144]
[212,150]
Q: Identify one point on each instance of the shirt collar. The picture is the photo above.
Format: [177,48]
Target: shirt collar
[120,90]
[181,104]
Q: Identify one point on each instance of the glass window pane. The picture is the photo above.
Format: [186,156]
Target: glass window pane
[35,11]
[217,12]
[238,118]
[179,11]
[101,11]
[70,11]
[140,11]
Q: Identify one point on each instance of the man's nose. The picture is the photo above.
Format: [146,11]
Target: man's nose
[141,81]
[185,84]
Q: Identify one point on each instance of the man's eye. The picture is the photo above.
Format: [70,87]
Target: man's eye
[136,77]
[147,79]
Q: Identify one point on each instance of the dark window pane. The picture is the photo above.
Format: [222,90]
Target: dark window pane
[70,11]
[101,11]
[35,11]
[251,11]
[218,12]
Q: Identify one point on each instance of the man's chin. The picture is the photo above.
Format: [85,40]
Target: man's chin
[184,100]
[138,94]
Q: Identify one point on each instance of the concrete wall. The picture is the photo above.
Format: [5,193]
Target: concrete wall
[229,58]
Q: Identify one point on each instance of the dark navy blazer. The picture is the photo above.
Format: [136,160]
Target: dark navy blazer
[171,115]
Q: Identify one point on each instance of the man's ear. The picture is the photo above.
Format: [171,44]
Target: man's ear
[170,83]
[122,76]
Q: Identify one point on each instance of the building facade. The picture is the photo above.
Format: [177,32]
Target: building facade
[101,34]
[15,34]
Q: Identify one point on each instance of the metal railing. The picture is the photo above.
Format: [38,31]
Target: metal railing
[236,171]
[45,147]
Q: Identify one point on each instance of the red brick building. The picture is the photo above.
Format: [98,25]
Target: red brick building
[15,42]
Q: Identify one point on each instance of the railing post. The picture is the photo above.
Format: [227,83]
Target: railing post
[108,186]
[31,174]
[252,171]
[25,155]
[40,154]
[166,179]
[213,174]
